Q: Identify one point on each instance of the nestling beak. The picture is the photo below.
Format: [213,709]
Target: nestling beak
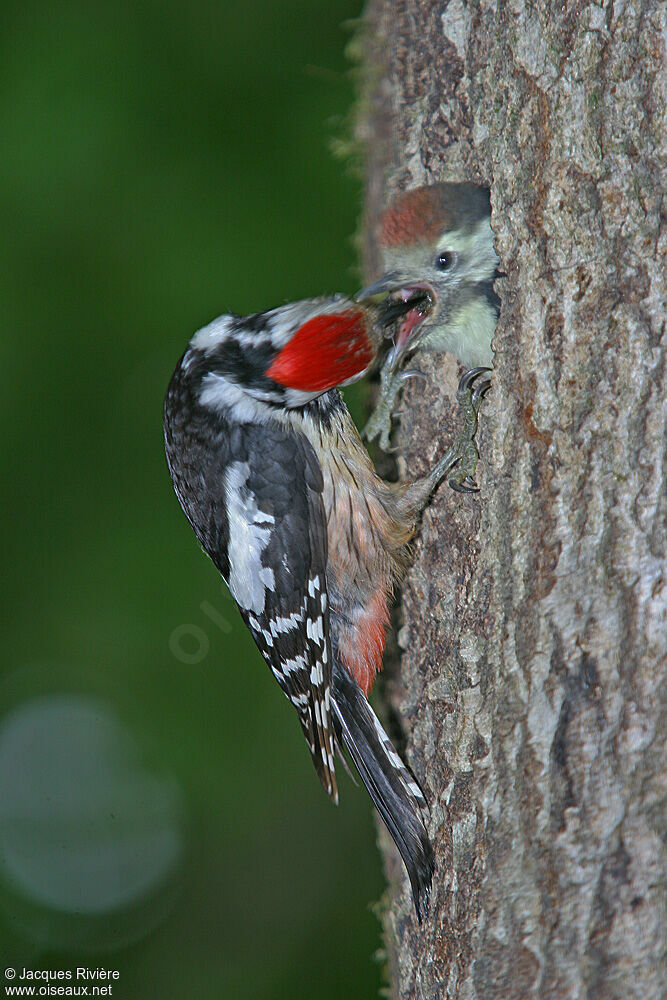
[402,307]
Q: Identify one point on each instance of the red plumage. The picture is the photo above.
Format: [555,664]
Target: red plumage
[326,351]
[415,216]
[362,646]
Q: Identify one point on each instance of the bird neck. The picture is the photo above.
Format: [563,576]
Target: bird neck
[471,324]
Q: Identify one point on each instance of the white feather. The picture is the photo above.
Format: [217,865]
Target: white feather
[249,534]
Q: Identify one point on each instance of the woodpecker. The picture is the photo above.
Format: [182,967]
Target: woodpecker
[282,495]
[437,250]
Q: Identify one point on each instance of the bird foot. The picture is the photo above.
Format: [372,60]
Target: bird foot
[463,452]
[379,424]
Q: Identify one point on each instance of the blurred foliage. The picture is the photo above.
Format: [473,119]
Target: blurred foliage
[162,163]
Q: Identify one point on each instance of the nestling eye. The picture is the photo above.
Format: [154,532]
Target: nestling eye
[444,260]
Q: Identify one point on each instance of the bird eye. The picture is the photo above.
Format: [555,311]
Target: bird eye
[444,260]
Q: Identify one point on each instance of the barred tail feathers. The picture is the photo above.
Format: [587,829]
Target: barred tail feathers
[390,784]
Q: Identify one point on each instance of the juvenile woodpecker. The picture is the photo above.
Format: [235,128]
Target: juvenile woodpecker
[437,250]
[282,495]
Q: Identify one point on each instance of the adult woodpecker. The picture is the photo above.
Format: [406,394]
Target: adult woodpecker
[282,495]
[437,251]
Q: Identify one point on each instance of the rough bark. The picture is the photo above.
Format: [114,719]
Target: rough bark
[532,682]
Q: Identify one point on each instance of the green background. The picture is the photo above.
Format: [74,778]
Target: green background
[162,163]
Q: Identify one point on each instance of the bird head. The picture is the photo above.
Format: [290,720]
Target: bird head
[437,290]
[285,356]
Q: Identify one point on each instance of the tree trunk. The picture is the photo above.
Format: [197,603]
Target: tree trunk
[532,685]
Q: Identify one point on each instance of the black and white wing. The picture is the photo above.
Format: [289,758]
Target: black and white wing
[275,566]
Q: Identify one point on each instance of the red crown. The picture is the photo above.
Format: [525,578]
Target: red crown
[325,352]
[414,217]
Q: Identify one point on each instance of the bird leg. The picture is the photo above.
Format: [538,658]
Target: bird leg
[463,453]
[379,423]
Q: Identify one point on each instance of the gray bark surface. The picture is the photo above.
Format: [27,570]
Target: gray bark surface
[531,688]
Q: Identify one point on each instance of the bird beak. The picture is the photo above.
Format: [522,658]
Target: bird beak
[401,306]
[380,289]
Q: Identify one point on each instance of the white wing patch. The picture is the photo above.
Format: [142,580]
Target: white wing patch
[249,534]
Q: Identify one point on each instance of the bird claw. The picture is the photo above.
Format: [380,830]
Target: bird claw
[412,373]
[479,391]
[463,393]
[467,486]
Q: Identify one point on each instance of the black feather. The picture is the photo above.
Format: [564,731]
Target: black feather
[356,730]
